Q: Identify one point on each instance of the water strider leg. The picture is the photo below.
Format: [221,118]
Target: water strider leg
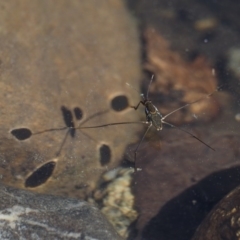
[135,152]
[140,102]
[112,124]
[62,144]
[188,104]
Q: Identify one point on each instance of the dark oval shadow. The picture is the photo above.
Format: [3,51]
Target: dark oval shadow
[68,120]
[119,103]
[78,113]
[41,175]
[21,133]
[105,154]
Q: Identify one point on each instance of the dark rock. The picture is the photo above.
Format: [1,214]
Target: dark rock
[224,220]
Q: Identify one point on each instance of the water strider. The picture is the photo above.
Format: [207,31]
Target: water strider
[153,118]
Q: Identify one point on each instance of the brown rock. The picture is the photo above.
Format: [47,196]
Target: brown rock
[57,58]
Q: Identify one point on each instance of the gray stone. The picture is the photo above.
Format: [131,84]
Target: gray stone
[26,215]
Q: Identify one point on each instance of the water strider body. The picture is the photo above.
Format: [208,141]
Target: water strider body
[153,116]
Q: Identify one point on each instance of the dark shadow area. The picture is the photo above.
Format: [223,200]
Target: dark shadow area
[207,36]
[105,154]
[68,119]
[41,175]
[223,73]
[78,113]
[119,103]
[185,15]
[21,133]
[181,216]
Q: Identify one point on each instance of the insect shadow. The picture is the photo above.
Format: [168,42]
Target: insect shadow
[40,175]
[153,118]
